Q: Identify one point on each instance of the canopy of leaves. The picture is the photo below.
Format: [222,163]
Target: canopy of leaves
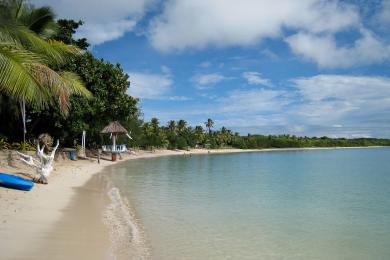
[108,83]
[29,62]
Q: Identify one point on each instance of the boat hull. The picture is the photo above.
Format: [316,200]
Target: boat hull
[15,182]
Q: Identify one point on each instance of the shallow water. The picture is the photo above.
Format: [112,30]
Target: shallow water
[317,204]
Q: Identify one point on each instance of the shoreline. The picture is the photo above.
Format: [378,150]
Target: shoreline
[44,221]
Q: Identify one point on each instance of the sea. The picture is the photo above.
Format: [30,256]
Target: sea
[302,204]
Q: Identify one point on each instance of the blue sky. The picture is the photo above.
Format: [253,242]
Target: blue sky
[308,67]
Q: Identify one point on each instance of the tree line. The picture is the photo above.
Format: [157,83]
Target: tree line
[178,135]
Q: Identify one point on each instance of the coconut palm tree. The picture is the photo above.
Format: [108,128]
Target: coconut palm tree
[155,124]
[209,124]
[172,126]
[199,134]
[27,58]
[181,125]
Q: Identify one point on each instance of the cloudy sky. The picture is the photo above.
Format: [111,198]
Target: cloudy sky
[307,67]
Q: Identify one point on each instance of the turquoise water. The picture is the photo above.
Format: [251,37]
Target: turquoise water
[317,204]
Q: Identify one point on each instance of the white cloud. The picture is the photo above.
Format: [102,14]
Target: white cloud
[332,105]
[270,54]
[252,101]
[104,20]
[179,98]
[149,86]
[331,99]
[202,23]
[255,78]
[166,70]
[206,80]
[384,14]
[199,23]
[322,87]
[323,50]
[251,121]
[205,64]
[97,33]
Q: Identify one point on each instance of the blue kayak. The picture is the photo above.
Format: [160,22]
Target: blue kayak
[15,182]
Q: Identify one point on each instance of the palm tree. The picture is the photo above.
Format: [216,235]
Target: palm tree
[155,124]
[172,126]
[181,125]
[209,124]
[27,58]
[148,132]
[199,134]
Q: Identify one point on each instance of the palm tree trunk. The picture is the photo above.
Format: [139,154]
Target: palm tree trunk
[23,112]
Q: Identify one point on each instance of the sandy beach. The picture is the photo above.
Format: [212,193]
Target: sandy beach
[64,219]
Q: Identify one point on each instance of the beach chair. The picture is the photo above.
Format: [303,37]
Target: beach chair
[122,148]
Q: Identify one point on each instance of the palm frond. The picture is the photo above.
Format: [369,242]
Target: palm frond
[75,84]
[54,52]
[15,76]
[39,20]
[61,85]
[19,6]
[64,49]
[11,9]
[27,58]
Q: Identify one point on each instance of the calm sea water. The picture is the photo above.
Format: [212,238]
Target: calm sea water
[318,204]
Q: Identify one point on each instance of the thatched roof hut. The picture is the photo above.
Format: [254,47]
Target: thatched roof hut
[115,128]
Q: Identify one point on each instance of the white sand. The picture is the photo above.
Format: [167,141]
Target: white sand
[27,217]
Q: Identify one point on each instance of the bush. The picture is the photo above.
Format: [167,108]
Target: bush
[182,143]
[24,146]
[3,144]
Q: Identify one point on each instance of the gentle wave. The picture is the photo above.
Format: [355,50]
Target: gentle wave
[126,234]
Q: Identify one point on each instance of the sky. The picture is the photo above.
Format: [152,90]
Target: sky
[307,67]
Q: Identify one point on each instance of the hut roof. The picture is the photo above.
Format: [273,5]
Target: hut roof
[114,127]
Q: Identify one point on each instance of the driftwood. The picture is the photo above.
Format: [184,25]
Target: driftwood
[43,166]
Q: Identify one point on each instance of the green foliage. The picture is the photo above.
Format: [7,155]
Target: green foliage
[23,146]
[177,135]
[66,29]
[181,143]
[108,83]
[30,61]
[3,144]
[292,141]
[209,124]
